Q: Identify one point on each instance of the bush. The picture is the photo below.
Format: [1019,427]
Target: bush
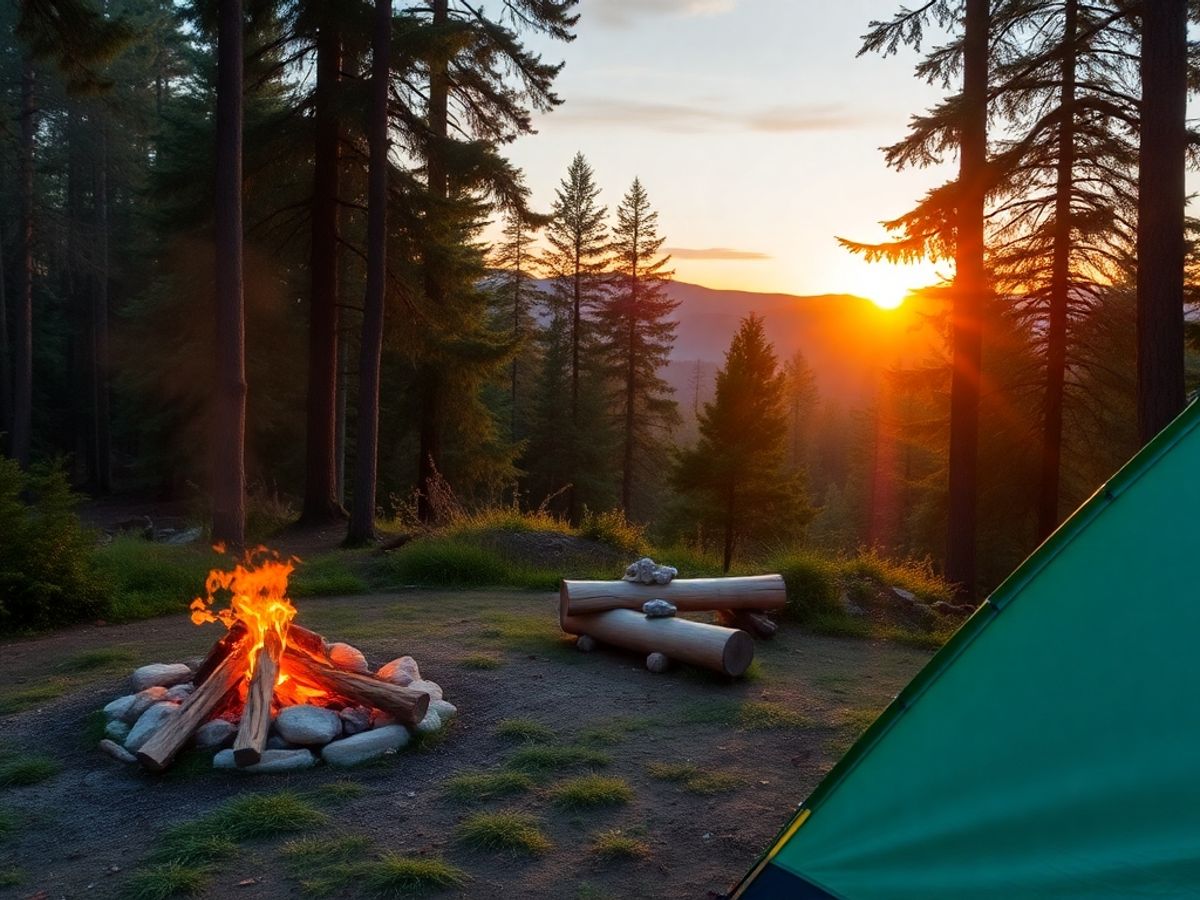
[48,574]
[813,586]
[614,529]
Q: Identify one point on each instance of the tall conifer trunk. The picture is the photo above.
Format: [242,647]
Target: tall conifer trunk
[6,384]
[101,427]
[362,517]
[1060,285]
[630,385]
[320,481]
[1161,198]
[229,425]
[79,303]
[435,290]
[576,323]
[969,297]
[22,424]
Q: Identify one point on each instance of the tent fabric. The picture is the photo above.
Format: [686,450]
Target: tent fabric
[1052,747]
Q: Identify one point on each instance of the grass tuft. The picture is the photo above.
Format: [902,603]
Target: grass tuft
[481,661]
[487,785]
[21,769]
[103,658]
[396,875]
[612,731]
[527,730]
[160,882]
[28,697]
[511,831]
[255,816]
[306,857]
[337,791]
[545,760]
[189,846]
[615,844]
[750,715]
[693,778]
[589,791]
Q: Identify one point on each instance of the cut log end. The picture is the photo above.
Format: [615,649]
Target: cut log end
[739,653]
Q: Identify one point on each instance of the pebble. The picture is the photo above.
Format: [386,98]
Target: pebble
[142,701]
[308,724]
[355,719]
[444,708]
[349,658]
[658,609]
[117,730]
[214,734]
[117,752]
[160,675]
[272,761]
[658,662]
[431,723]
[402,671]
[149,722]
[585,643]
[366,746]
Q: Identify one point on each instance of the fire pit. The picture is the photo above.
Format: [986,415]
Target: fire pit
[275,690]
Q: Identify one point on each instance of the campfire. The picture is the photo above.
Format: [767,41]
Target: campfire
[269,681]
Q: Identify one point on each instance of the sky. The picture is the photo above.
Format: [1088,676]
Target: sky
[754,129]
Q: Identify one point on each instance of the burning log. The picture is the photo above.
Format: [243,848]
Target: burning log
[158,752]
[219,651]
[256,716]
[408,706]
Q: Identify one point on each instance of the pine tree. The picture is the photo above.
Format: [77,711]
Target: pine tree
[801,394]
[636,336]
[737,473]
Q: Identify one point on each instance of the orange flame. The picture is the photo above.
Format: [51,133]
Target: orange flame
[258,598]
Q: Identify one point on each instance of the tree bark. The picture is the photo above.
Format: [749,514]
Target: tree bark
[576,322]
[6,384]
[362,518]
[79,303]
[630,383]
[320,482]
[101,426]
[1161,199]
[229,427]
[969,297]
[22,424]
[1060,285]
[758,592]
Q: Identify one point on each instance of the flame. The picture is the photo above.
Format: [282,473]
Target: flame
[257,587]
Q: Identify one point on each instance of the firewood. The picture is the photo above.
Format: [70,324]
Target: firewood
[158,752]
[256,716]
[408,706]
[308,641]
[219,651]
[724,650]
[753,621]
[688,594]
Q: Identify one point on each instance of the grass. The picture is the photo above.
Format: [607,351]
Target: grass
[694,779]
[527,633]
[327,865]
[591,791]
[153,579]
[612,731]
[337,791]
[527,730]
[514,832]
[94,660]
[543,761]
[616,844]
[23,698]
[396,875]
[11,876]
[256,816]
[189,846]
[164,880]
[22,769]
[329,575]
[487,785]
[455,562]
[749,715]
[481,661]
[315,857]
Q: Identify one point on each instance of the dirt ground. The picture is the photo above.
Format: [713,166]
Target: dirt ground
[85,830]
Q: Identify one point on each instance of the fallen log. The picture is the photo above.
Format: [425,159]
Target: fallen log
[757,623]
[724,650]
[408,706]
[158,752]
[756,592]
[256,715]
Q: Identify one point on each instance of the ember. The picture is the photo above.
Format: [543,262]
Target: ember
[263,664]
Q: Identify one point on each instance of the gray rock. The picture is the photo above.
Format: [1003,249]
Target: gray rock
[214,734]
[275,742]
[142,701]
[585,643]
[355,719]
[308,724]
[180,692]
[905,596]
[402,671]
[117,730]
[148,723]
[953,609]
[658,609]
[117,752]
[429,687]
[658,662]
[272,761]
[647,571]
[431,723]
[160,675]
[117,709]
[366,746]
[349,658]
[186,536]
[444,708]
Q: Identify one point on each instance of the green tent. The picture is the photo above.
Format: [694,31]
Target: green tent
[1052,747]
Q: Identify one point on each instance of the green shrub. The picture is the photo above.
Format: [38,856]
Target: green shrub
[48,574]
[154,579]
[813,585]
[614,529]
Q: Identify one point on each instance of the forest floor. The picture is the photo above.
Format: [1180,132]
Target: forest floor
[707,769]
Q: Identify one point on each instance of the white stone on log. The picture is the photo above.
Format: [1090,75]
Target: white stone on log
[214,734]
[160,675]
[308,724]
[658,662]
[366,746]
[658,609]
[117,752]
[444,708]
[272,761]
[349,658]
[647,571]
[149,722]
[429,687]
[402,671]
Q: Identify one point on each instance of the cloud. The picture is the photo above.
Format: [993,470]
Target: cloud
[697,118]
[714,253]
[625,13]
